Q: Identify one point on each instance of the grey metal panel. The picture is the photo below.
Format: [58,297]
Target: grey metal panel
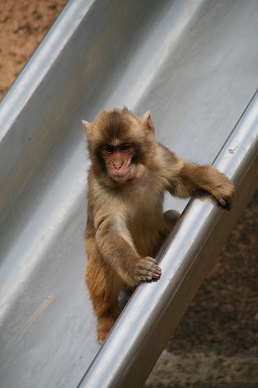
[194,65]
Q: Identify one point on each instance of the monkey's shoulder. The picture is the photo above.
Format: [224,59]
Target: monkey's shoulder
[165,155]
[165,164]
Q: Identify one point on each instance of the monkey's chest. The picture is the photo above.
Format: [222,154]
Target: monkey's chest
[145,223]
[144,204]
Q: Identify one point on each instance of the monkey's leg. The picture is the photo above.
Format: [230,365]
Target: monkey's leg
[170,217]
[104,286]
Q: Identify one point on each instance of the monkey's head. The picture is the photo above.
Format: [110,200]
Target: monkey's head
[120,143]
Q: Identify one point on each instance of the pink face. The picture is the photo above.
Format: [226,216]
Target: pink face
[118,160]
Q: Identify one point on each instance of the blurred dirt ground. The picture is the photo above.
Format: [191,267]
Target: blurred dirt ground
[216,343]
[23,24]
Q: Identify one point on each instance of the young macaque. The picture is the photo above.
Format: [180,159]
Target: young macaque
[127,180]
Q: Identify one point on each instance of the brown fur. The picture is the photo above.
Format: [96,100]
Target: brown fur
[126,225]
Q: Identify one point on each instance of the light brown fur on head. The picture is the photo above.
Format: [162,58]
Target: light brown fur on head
[118,125]
[115,127]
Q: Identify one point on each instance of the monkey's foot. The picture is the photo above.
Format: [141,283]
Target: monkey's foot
[104,326]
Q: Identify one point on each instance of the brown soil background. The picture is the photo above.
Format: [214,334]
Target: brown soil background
[216,343]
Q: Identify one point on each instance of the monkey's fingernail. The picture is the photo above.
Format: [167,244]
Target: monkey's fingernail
[156,270]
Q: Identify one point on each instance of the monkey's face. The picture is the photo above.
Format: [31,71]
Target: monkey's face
[119,144]
[118,161]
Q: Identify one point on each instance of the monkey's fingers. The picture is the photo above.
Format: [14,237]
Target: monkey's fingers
[225,202]
[154,268]
[225,193]
[147,269]
[151,272]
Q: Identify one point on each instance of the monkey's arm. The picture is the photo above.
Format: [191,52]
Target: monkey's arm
[188,178]
[116,247]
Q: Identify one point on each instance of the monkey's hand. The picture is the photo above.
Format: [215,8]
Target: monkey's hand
[224,191]
[146,269]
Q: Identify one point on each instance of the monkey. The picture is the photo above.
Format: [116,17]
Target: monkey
[127,180]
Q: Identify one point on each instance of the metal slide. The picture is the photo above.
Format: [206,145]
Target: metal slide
[194,64]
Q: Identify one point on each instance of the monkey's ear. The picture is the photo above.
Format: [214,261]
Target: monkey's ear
[86,124]
[148,123]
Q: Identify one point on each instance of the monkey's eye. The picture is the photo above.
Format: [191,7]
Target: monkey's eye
[108,149]
[126,147]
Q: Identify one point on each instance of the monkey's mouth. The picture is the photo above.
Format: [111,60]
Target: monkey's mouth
[121,171]
[133,171]
[121,175]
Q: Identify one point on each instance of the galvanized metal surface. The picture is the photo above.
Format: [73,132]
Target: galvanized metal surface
[194,64]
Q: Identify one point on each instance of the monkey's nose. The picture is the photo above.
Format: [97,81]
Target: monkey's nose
[117,166]
[117,162]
